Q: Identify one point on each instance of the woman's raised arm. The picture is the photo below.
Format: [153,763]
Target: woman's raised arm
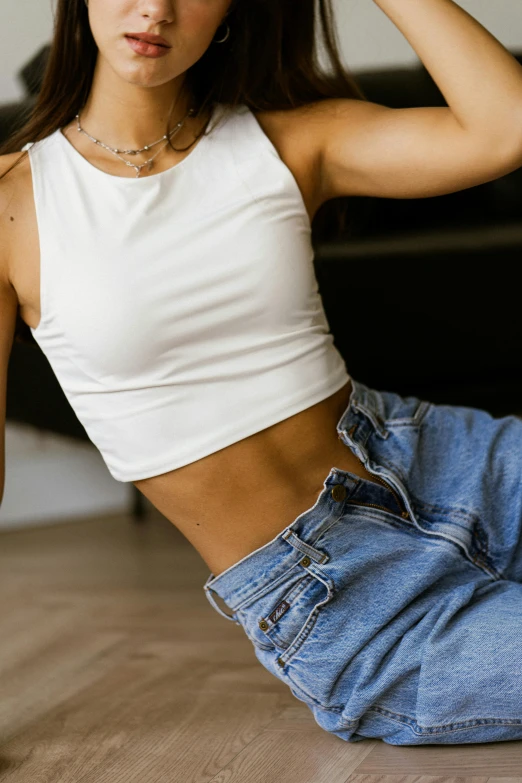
[372,150]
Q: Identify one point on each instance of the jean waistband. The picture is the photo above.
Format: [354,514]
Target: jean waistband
[239,584]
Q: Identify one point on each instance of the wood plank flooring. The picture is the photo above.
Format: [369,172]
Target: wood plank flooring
[115,668]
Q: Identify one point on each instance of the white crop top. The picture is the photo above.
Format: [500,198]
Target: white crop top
[180,311]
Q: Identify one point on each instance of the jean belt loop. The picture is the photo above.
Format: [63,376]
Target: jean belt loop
[213,603]
[313,553]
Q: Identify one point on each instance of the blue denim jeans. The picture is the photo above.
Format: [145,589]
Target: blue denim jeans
[394,610]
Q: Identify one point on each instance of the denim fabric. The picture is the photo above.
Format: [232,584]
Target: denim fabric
[395,611]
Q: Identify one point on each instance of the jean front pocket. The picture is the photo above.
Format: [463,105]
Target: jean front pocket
[282,616]
[291,612]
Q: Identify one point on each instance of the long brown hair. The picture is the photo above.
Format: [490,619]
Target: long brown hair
[269,62]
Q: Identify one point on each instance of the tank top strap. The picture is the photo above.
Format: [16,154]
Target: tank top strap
[243,133]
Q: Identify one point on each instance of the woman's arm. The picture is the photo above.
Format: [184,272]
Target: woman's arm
[372,150]
[8,310]
[480,80]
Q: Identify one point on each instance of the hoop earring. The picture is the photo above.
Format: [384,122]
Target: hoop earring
[226,36]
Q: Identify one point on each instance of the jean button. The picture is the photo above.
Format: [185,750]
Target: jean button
[339,492]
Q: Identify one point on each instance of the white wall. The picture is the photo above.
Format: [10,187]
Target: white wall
[25,26]
[48,477]
[370,40]
[53,479]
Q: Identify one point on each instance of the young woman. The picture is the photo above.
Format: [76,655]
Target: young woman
[155,239]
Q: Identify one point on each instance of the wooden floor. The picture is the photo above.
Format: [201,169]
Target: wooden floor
[115,668]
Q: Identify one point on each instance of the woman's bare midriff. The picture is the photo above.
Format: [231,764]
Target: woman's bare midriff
[237,499]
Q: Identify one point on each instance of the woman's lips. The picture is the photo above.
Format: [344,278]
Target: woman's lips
[146,49]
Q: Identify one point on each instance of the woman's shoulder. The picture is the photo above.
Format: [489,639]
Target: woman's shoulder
[15,177]
[7,159]
[7,177]
[15,189]
[11,174]
[300,128]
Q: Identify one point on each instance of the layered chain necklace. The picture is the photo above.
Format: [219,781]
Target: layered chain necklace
[149,163]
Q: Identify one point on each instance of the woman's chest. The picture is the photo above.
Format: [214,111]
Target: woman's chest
[26,244]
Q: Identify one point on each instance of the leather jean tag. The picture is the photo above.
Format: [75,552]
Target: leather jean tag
[279,611]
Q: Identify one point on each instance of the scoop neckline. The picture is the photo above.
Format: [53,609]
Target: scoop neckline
[77,155]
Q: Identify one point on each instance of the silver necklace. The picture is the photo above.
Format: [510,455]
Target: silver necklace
[149,162]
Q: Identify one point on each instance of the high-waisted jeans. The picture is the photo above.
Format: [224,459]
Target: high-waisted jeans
[394,610]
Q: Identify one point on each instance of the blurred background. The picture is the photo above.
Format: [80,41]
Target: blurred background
[422,296]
